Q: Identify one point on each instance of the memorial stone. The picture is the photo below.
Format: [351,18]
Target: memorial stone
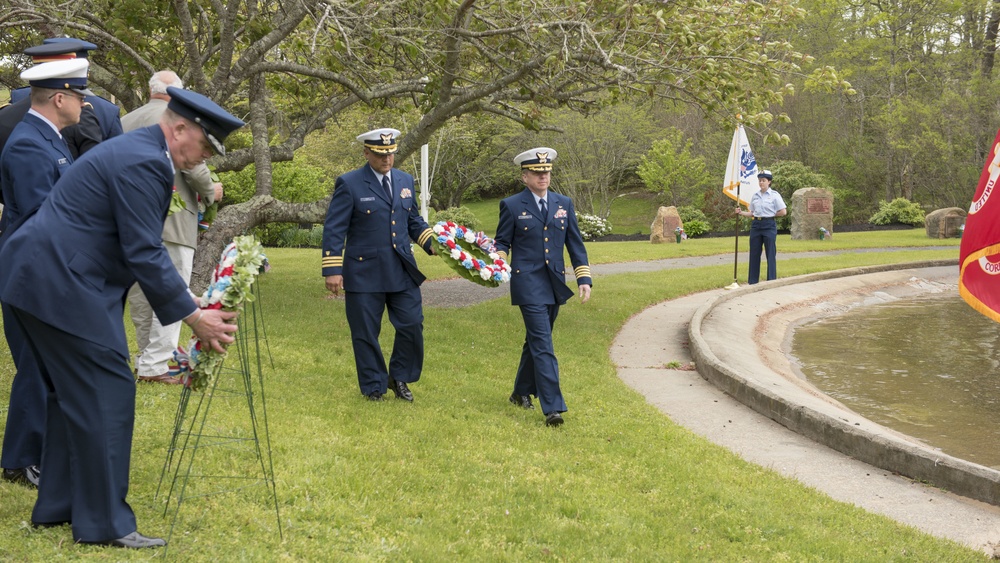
[945,223]
[663,227]
[812,214]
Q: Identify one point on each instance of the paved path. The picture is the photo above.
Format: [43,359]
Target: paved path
[460,293]
[658,336]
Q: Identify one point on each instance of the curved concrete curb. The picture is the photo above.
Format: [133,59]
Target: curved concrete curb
[733,342]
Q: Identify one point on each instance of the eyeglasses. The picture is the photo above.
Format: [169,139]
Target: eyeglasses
[80,97]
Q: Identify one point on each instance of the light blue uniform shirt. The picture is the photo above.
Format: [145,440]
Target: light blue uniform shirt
[766,204]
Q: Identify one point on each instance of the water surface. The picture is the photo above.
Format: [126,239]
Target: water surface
[926,366]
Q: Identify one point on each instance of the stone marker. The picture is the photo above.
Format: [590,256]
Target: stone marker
[662,230]
[944,223]
[811,210]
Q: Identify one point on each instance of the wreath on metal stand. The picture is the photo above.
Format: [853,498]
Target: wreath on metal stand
[205,377]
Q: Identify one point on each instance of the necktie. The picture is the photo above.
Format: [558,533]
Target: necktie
[387,187]
[541,205]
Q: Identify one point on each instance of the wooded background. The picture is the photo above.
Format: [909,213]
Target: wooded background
[876,100]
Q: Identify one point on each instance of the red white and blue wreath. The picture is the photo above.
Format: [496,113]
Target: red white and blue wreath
[476,261]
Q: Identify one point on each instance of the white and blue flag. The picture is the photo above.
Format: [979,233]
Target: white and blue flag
[741,169]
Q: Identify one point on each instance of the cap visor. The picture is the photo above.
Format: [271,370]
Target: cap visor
[84,91]
[219,147]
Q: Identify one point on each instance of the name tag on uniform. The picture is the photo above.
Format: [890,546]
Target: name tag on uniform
[367,199]
[520,217]
[62,161]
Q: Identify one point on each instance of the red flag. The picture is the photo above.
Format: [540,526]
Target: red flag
[979,258]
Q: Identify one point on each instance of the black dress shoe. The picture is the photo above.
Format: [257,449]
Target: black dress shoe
[25,476]
[374,396]
[523,401]
[553,419]
[401,390]
[135,540]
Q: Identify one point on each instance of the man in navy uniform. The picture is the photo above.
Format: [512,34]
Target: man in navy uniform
[765,206]
[535,226]
[366,253]
[13,113]
[34,157]
[67,269]
[100,120]
[108,113]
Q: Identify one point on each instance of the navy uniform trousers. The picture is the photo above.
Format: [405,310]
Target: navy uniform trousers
[104,399]
[763,233]
[24,434]
[538,371]
[364,316]
[32,163]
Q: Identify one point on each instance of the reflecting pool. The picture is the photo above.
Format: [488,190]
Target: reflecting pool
[926,367]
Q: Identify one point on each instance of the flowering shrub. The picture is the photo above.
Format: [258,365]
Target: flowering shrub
[695,227]
[695,221]
[899,210]
[592,226]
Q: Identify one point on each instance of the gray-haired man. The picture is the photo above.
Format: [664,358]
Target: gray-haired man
[180,236]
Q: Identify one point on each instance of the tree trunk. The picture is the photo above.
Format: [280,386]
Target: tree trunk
[240,219]
[907,180]
[990,41]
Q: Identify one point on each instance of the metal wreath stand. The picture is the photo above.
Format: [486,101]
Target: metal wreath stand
[245,449]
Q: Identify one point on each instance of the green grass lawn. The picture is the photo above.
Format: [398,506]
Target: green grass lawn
[633,214]
[460,474]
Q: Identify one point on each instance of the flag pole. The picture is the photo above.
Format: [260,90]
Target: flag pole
[736,243]
[736,246]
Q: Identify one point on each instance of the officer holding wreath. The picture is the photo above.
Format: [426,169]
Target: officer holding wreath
[535,226]
[372,218]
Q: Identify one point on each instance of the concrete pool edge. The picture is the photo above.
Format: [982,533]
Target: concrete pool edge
[726,343]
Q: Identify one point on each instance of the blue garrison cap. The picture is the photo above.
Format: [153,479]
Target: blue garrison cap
[81,50]
[60,51]
[216,122]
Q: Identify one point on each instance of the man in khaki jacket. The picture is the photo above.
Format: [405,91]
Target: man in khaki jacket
[180,237]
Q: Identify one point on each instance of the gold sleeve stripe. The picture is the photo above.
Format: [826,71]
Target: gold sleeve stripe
[333,261]
[503,255]
[583,272]
[424,237]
